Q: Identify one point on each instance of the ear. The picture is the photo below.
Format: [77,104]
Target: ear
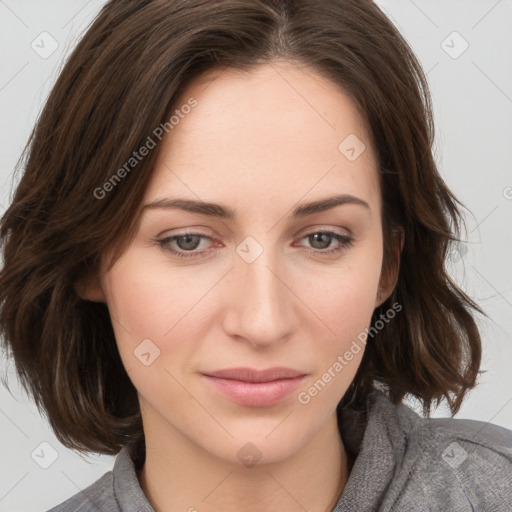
[89,288]
[389,277]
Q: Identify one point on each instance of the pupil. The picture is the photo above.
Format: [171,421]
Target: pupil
[188,244]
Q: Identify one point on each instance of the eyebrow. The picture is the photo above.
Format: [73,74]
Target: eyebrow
[224,212]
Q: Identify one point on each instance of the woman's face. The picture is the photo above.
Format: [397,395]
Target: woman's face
[259,289]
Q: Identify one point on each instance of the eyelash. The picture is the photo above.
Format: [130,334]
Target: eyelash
[345,243]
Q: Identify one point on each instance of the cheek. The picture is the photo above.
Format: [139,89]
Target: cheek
[345,304]
[156,324]
[147,299]
[345,296]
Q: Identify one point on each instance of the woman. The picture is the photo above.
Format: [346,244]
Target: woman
[230,239]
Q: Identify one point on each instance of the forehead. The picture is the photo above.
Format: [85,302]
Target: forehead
[276,127]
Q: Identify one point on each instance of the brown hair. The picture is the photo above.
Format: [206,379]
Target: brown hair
[120,83]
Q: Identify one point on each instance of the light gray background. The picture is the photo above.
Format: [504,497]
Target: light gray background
[472,94]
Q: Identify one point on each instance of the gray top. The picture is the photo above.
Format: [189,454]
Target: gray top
[403,462]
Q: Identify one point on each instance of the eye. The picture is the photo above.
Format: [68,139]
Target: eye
[185,245]
[321,240]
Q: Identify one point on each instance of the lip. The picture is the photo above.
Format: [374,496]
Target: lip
[255,388]
[253,375]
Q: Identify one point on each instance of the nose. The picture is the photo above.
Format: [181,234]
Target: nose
[261,305]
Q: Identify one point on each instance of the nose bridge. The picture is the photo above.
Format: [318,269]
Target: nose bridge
[262,301]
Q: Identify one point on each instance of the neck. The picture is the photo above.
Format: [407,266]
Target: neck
[177,475]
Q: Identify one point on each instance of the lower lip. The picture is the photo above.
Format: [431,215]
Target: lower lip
[255,394]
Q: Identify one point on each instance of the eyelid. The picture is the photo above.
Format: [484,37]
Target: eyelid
[321,229]
[310,231]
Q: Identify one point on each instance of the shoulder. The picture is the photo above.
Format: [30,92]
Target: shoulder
[117,490]
[99,496]
[455,464]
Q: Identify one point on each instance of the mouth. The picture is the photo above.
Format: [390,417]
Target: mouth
[255,388]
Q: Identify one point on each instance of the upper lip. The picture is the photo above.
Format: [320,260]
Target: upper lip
[253,375]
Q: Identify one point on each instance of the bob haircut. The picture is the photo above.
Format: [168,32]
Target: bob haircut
[116,87]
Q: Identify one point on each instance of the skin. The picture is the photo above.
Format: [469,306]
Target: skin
[260,143]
